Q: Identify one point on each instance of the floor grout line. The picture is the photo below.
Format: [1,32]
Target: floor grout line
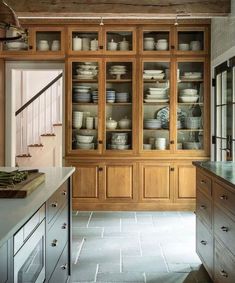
[164,258]
[120,225]
[88,222]
[120,261]
[135,217]
[145,279]
[102,233]
[141,252]
[96,272]
[79,251]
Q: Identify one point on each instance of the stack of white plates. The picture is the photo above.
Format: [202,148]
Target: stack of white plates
[85,142]
[77,119]
[118,70]
[87,70]
[152,124]
[122,97]
[153,74]
[193,122]
[192,75]
[155,94]
[119,141]
[188,95]
[160,143]
[94,94]
[81,93]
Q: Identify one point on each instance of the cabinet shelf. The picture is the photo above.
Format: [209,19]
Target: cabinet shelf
[85,103]
[119,104]
[191,130]
[156,103]
[119,130]
[191,81]
[191,103]
[149,130]
[119,81]
[155,80]
[84,81]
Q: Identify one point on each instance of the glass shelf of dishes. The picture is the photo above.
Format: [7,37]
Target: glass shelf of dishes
[190,106]
[190,41]
[119,41]
[118,105]
[85,97]
[156,114]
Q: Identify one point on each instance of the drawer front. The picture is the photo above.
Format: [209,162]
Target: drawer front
[204,246]
[204,208]
[224,228]
[224,271]
[224,197]
[56,201]
[60,273]
[56,239]
[204,183]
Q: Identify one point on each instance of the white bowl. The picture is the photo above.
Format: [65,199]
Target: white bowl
[191,145]
[16,45]
[188,99]
[161,45]
[147,146]
[184,46]
[85,145]
[84,139]
[189,91]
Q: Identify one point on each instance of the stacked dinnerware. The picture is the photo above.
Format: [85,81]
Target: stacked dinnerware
[82,97]
[122,97]
[153,74]
[94,95]
[85,142]
[86,70]
[188,95]
[149,43]
[192,75]
[119,141]
[152,124]
[110,95]
[77,119]
[160,143]
[155,94]
[118,70]
[94,45]
[193,122]
[191,145]
[161,44]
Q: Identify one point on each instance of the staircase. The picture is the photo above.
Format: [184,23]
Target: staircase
[39,128]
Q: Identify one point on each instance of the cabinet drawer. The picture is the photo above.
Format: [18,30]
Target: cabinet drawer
[56,201]
[224,271]
[56,239]
[204,183]
[224,197]
[60,273]
[204,246]
[204,208]
[224,228]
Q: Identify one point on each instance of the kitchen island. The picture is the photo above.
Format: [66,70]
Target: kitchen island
[48,210]
[215,226]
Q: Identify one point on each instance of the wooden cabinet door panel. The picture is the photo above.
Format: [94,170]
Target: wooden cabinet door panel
[186,181]
[119,181]
[85,182]
[156,181]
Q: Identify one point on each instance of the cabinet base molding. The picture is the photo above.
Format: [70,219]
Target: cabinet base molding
[131,206]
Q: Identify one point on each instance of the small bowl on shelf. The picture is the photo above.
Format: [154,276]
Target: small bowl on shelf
[85,145]
[188,91]
[191,145]
[147,146]
[188,99]
[84,139]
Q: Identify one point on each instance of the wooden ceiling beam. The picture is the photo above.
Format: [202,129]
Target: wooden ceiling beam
[128,8]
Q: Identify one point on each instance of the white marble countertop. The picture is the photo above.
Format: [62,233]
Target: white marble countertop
[15,212]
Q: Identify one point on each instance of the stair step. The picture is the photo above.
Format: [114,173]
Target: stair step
[48,135]
[36,145]
[23,155]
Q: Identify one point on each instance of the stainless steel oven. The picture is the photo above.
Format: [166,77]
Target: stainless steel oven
[29,250]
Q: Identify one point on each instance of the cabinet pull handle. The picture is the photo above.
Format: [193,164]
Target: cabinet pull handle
[54,243]
[100,169]
[172,169]
[64,193]
[101,47]
[224,197]
[224,228]
[54,204]
[203,206]
[64,226]
[172,47]
[64,267]
[203,182]
[203,242]
[223,273]
[172,142]
[100,142]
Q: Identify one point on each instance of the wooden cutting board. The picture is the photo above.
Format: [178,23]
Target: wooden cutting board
[24,188]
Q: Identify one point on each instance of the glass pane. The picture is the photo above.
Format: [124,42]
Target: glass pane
[32,267]
[190,106]
[190,40]
[119,106]
[85,95]
[48,41]
[119,41]
[156,40]
[156,108]
[85,41]
[218,149]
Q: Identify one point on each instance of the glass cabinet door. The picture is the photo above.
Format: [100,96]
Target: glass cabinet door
[119,99]
[85,105]
[190,106]
[156,110]
[49,40]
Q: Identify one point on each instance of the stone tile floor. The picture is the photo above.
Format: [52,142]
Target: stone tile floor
[139,247]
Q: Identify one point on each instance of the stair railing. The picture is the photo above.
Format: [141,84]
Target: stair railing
[37,116]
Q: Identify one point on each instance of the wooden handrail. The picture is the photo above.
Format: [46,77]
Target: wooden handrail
[38,94]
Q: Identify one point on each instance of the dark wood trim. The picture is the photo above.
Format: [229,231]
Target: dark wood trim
[2,112]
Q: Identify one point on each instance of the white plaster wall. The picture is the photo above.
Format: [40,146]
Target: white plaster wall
[223,34]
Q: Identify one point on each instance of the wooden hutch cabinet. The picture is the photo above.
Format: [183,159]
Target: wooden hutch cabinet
[137,106]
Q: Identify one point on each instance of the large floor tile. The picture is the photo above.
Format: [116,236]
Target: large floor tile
[134,277]
[83,272]
[87,232]
[169,278]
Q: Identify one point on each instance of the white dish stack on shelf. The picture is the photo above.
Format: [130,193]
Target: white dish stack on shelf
[77,119]
[160,143]
[122,97]
[118,71]
[81,94]
[152,124]
[119,141]
[86,70]
[84,142]
[156,94]
[188,95]
[95,96]
[193,122]
[192,75]
[153,75]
